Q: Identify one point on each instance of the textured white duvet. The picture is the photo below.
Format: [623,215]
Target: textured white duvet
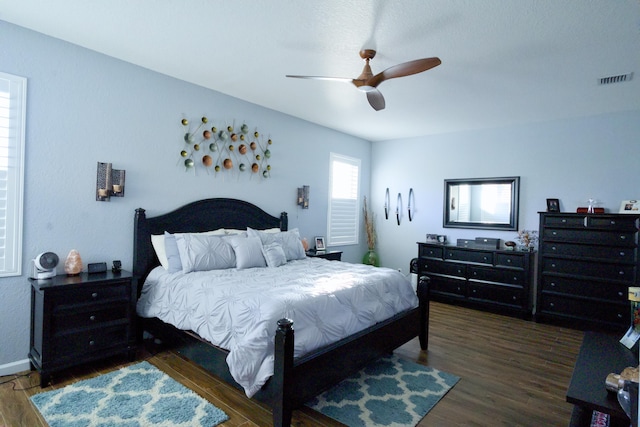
[238,309]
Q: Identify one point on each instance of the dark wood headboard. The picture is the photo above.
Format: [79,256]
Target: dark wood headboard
[203,215]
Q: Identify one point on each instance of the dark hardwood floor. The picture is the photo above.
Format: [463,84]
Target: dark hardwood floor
[513,373]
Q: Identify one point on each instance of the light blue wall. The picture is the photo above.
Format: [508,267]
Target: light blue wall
[572,160]
[84,107]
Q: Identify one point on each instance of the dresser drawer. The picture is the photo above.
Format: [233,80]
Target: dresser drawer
[593,237]
[577,288]
[616,272]
[510,260]
[611,253]
[430,251]
[512,277]
[89,316]
[443,267]
[565,221]
[496,293]
[588,310]
[89,341]
[482,257]
[617,223]
[448,286]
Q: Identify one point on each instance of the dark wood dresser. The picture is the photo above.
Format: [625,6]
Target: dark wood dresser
[77,319]
[495,280]
[586,264]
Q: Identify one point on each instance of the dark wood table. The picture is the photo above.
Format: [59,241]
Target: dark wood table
[600,355]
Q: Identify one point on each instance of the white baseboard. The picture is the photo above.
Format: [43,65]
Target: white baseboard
[15,367]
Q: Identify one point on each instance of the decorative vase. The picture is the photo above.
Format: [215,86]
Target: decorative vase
[73,263]
[371,258]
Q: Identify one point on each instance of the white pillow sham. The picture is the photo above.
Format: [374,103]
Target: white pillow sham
[157,241]
[248,251]
[204,252]
[289,240]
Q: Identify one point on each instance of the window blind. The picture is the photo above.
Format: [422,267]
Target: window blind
[343,218]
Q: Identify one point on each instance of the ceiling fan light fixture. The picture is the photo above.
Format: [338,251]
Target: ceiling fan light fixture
[366,88]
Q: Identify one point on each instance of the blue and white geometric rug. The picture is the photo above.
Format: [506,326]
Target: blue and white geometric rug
[391,392]
[138,395]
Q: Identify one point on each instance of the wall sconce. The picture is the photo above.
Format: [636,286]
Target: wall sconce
[109,182]
[303,197]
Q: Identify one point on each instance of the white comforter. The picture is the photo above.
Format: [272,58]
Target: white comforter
[238,309]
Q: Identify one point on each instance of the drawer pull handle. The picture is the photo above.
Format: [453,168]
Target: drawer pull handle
[553,248]
[621,253]
[92,318]
[508,261]
[564,220]
[554,233]
[619,316]
[621,273]
[92,342]
[552,284]
[94,295]
[553,265]
[623,237]
[620,294]
[514,297]
[613,222]
[552,305]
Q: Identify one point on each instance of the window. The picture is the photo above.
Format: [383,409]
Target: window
[344,208]
[13,90]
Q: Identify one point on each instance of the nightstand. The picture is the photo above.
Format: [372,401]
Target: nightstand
[330,255]
[78,319]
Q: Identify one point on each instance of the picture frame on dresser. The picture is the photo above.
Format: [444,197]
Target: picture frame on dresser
[553,205]
[630,207]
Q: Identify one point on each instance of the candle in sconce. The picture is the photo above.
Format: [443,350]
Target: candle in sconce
[117,188]
[102,192]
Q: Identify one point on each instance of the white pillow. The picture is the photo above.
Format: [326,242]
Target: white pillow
[289,240]
[157,241]
[274,254]
[204,252]
[248,251]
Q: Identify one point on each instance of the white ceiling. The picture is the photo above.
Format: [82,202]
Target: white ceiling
[504,62]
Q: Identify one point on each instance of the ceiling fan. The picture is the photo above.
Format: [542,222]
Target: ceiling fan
[368,83]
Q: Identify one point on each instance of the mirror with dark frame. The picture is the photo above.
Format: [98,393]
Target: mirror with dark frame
[484,203]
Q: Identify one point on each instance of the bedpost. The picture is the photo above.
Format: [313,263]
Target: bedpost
[282,373]
[284,221]
[423,297]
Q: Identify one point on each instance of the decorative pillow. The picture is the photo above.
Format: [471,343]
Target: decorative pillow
[173,255]
[274,254]
[157,241]
[204,252]
[248,251]
[289,240]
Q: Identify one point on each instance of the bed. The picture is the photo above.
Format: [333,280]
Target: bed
[295,380]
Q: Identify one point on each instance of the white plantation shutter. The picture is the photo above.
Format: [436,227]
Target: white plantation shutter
[13,91]
[343,219]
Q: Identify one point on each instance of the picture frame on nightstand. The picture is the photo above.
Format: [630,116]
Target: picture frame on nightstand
[320,246]
[630,207]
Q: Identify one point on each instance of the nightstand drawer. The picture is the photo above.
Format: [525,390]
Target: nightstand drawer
[430,251]
[94,294]
[89,341]
[90,316]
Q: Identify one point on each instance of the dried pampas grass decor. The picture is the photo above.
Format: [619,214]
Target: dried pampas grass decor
[369,226]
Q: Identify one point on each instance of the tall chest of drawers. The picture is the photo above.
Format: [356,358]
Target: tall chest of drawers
[77,319]
[490,279]
[586,264]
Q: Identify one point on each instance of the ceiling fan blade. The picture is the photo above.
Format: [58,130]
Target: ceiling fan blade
[404,69]
[375,98]
[338,79]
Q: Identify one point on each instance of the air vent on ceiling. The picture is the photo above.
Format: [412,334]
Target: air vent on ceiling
[615,79]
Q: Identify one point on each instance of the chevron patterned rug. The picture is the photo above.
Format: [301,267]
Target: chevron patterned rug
[137,395]
[390,392]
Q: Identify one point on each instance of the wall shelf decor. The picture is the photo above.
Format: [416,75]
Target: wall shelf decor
[225,150]
[109,182]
